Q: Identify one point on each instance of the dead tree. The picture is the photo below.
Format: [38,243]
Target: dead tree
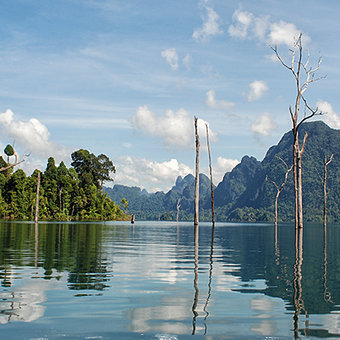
[211,179]
[303,75]
[10,151]
[178,207]
[197,181]
[279,188]
[324,182]
[37,199]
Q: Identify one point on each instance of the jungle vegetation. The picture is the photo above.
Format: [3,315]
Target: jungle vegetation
[65,194]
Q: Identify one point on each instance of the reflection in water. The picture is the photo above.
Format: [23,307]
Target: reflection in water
[210,275]
[327,296]
[194,306]
[36,243]
[299,304]
[24,303]
[141,280]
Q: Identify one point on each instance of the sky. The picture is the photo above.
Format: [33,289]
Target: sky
[126,78]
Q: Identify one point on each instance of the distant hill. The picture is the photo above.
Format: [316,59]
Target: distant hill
[244,194]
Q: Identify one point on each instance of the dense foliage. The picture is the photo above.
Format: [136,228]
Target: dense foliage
[244,194]
[65,194]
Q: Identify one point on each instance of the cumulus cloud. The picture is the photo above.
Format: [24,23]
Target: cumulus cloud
[329,116]
[210,25]
[31,135]
[257,88]
[263,125]
[285,33]
[176,129]
[217,104]
[150,175]
[242,20]
[222,166]
[171,57]
[247,25]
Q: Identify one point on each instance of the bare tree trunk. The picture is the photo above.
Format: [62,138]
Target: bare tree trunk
[298,191]
[299,69]
[37,199]
[178,207]
[60,192]
[197,182]
[325,165]
[279,189]
[211,179]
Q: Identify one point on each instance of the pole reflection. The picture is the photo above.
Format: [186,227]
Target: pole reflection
[327,296]
[36,244]
[194,306]
[210,275]
[299,305]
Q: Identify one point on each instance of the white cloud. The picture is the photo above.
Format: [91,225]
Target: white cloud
[217,104]
[263,125]
[171,57]
[150,175]
[31,135]
[247,25]
[210,25]
[285,33]
[187,60]
[257,88]
[175,128]
[155,176]
[222,166]
[242,20]
[329,116]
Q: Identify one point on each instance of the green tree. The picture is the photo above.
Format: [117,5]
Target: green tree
[92,169]
[50,185]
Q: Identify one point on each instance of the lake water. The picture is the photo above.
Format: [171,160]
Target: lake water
[160,280]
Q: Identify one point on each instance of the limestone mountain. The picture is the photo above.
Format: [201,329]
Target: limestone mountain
[244,194]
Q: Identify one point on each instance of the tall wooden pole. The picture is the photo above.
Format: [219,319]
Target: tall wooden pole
[211,179]
[197,182]
[37,199]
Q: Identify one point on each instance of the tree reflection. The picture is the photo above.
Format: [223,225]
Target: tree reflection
[194,306]
[76,248]
[210,274]
[326,293]
[299,304]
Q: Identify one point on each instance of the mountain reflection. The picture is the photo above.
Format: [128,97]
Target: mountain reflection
[166,278]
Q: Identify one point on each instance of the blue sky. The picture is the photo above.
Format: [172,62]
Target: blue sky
[126,78]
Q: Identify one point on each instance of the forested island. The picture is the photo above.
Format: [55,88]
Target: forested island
[65,194]
[245,194]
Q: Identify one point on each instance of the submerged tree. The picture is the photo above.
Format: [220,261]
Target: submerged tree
[196,215]
[324,182]
[279,188]
[303,75]
[211,178]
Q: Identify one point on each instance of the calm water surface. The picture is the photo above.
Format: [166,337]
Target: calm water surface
[160,280]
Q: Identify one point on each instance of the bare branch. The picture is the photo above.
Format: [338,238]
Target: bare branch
[304,143]
[329,161]
[280,59]
[9,166]
[271,181]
